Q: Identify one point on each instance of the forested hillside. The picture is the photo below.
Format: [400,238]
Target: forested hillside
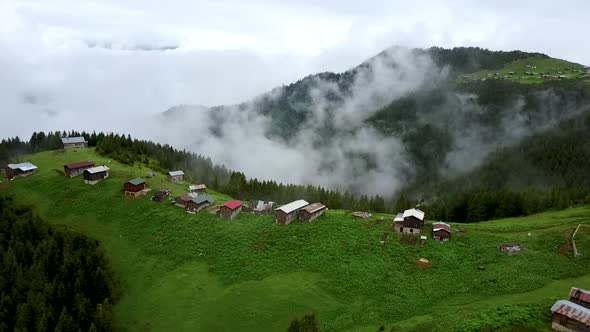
[51,278]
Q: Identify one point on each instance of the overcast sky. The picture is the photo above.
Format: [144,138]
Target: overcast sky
[61,60]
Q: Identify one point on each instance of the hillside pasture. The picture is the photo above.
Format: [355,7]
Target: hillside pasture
[198,272]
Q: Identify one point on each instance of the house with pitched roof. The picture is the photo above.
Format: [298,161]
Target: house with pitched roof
[409,222]
[441,231]
[197,188]
[96,174]
[287,213]
[22,169]
[569,317]
[74,169]
[73,142]
[198,203]
[230,210]
[312,211]
[135,187]
[176,176]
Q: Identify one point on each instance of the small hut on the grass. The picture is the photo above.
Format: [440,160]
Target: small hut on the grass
[176,176]
[230,210]
[197,188]
[569,317]
[199,203]
[96,174]
[312,211]
[22,169]
[135,187]
[287,213]
[75,169]
[441,231]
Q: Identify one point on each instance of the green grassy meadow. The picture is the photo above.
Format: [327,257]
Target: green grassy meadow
[539,66]
[196,272]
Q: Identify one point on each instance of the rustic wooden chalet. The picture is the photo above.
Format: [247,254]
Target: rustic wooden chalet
[312,211]
[409,222]
[73,142]
[22,169]
[135,187]
[289,212]
[75,169]
[176,176]
[183,200]
[197,188]
[96,174]
[441,231]
[580,296]
[569,316]
[230,210]
[199,203]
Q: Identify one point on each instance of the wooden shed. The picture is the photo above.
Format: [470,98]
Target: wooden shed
[569,316]
[96,174]
[183,200]
[312,211]
[135,187]
[230,210]
[197,188]
[289,212]
[74,169]
[22,169]
[73,142]
[580,296]
[410,221]
[176,176]
[198,203]
[441,231]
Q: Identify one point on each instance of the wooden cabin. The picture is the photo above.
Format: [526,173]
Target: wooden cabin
[135,187]
[74,169]
[409,222]
[197,188]
[312,211]
[580,296]
[289,212]
[22,169]
[96,174]
[569,316]
[183,200]
[230,210]
[441,231]
[73,142]
[176,176]
[198,203]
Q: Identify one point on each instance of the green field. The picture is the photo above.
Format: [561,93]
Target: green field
[518,71]
[198,272]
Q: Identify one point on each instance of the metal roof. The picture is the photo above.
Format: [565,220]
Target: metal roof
[580,294]
[437,226]
[197,187]
[23,166]
[97,169]
[311,208]
[398,217]
[136,181]
[572,311]
[73,140]
[175,173]
[80,164]
[233,204]
[415,213]
[293,206]
[203,198]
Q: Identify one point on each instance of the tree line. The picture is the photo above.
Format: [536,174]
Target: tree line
[51,278]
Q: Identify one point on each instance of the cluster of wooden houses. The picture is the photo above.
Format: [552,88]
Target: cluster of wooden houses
[412,222]
[572,315]
[299,209]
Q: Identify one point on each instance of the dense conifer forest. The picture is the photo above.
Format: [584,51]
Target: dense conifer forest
[51,278]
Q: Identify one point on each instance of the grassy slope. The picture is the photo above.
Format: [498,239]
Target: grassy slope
[197,272]
[548,66]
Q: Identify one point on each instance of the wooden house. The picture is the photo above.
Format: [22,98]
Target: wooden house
[580,296]
[96,174]
[312,211]
[441,231]
[22,169]
[176,176]
[73,142]
[75,169]
[135,187]
[409,222]
[197,188]
[183,200]
[569,316]
[198,203]
[289,212]
[230,210]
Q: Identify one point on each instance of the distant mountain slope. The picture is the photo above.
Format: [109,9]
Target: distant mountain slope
[402,116]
